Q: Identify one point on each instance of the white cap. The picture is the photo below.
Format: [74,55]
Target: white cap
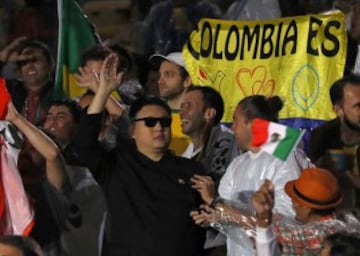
[174,57]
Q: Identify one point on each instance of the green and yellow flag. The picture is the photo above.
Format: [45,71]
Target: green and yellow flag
[76,34]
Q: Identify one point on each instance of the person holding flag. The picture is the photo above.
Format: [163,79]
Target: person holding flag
[16,213]
[41,169]
[315,197]
[246,172]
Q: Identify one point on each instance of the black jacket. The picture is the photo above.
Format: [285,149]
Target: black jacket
[325,137]
[149,202]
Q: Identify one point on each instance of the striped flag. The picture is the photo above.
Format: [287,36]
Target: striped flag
[75,35]
[273,138]
[16,213]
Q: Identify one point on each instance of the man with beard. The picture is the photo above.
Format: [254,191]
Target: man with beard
[212,144]
[334,145]
[173,82]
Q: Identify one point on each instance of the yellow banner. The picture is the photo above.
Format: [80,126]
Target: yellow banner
[297,58]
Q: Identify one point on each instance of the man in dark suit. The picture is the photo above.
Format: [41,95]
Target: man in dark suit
[148,189]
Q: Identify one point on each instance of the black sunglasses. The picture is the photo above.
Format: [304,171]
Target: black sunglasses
[152,121]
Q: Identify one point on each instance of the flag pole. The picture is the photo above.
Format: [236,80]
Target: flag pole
[57,91]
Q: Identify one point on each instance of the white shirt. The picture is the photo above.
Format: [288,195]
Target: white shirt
[190,151]
[217,152]
[266,243]
[245,174]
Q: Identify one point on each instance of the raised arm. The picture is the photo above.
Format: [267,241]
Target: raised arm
[86,141]
[55,168]
[88,79]
[9,52]
[108,80]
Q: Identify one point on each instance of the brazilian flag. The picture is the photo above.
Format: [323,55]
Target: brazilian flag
[76,34]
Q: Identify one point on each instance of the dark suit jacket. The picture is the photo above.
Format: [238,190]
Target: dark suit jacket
[149,202]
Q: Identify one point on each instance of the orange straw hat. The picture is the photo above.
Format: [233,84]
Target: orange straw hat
[315,188]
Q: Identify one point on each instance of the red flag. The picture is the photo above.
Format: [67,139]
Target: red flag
[4,99]
[17,215]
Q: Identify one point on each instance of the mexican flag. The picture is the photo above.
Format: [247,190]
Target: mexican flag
[273,138]
[75,35]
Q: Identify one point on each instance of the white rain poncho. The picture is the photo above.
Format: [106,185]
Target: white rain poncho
[285,234]
[244,176]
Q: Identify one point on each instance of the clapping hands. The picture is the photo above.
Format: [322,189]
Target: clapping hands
[87,78]
[110,78]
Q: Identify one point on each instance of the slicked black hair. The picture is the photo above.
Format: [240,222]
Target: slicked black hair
[147,101]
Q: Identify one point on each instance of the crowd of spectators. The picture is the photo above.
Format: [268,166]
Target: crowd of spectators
[153,171]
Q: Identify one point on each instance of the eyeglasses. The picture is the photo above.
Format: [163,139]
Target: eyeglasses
[152,121]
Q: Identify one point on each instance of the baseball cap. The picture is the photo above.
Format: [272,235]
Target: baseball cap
[174,57]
